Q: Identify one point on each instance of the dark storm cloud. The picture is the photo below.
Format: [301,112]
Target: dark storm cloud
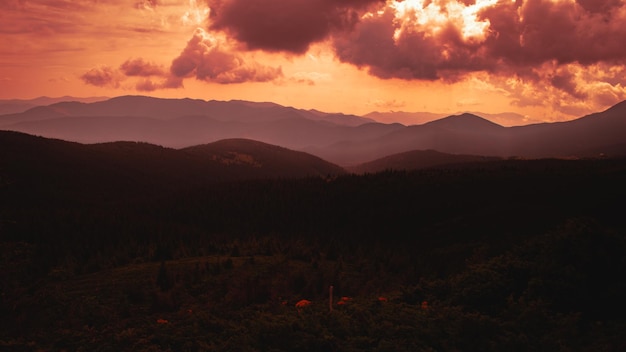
[566,32]
[279,25]
[566,82]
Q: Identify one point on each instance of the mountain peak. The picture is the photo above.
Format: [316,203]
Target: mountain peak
[465,121]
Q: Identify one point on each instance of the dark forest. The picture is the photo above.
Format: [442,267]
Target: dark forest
[485,256]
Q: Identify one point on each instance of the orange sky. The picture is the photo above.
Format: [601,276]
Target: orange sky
[547,59]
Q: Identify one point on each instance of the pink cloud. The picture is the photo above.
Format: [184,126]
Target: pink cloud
[153,76]
[102,77]
[149,85]
[140,67]
[206,59]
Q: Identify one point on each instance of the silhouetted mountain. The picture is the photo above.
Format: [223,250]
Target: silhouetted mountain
[109,169]
[603,132]
[415,160]
[126,246]
[466,123]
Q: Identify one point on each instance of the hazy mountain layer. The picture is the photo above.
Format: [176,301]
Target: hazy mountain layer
[341,139]
[14,106]
[507,119]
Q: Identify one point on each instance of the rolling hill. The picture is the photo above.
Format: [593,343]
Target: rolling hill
[48,166]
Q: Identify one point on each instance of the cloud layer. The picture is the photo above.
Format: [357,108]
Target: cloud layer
[542,44]
[442,39]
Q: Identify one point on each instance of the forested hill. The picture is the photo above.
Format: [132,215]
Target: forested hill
[125,168]
[506,255]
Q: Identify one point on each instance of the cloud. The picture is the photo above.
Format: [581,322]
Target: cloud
[543,44]
[150,85]
[563,31]
[310,78]
[58,79]
[103,76]
[196,14]
[208,58]
[572,89]
[146,4]
[286,26]
[417,39]
[153,76]
[140,67]
[599,6]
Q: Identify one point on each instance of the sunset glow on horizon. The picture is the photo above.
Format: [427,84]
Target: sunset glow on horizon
[549,60]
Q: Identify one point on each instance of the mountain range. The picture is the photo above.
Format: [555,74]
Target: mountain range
[13,106]
[507,119]
[346,140]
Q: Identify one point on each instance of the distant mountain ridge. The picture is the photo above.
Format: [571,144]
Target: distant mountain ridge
[168,109]
[507,119]
[346,140]
[597,134]
[13,106]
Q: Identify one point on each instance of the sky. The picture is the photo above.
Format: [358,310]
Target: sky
[549,60]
